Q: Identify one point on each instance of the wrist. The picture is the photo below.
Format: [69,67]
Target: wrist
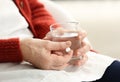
[25,48]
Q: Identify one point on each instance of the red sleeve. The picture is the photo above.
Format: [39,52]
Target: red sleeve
[10,50]
[41,18]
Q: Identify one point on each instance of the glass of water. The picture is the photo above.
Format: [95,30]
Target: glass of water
[66,31]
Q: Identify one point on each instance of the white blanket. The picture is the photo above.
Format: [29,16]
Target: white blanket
[24,72]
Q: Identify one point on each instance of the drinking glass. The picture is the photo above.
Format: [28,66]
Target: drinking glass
[66,31]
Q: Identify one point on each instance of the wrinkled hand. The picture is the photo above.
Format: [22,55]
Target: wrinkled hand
[81,52]
[83,46]
[41,53]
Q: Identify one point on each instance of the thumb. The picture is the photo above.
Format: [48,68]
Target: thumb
[59,45]
[82,34]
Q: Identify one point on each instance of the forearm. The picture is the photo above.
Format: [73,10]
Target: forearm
[10,50]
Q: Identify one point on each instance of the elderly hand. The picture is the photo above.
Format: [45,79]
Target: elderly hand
[85,46]
[80,46]
[41,53]
[81,53]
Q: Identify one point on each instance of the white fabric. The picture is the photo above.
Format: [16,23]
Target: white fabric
[92,70]
[12,23]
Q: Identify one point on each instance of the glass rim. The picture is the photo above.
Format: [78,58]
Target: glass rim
[60,23]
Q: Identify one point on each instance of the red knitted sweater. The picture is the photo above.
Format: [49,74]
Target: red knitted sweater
[39,20]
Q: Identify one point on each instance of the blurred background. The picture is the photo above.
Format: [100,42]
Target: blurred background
[101,19]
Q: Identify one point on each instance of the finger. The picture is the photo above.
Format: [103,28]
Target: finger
[85,48]
[59,45]
[62,59]
[82,34]
[75,59]
[87,42]
[60,67]
[83,61]
[80,62]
